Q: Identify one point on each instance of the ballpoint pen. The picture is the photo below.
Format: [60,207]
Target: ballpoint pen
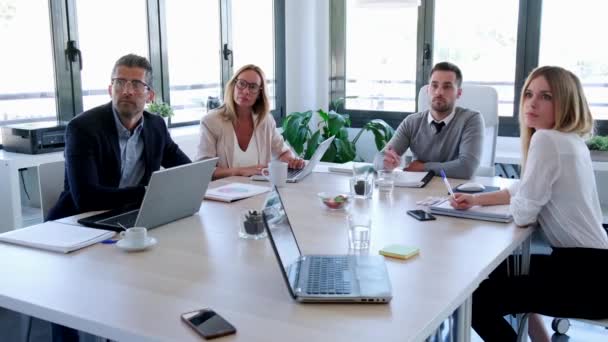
[447,184]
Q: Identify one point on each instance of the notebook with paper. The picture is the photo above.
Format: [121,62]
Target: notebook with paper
[411,179]
[323,278]
[56,237]
[494,213]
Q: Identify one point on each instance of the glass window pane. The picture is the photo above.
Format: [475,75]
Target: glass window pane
[253,38]
[27,90]
[108,30]
[577,48]
[193,40]
[484,46]
[381,55]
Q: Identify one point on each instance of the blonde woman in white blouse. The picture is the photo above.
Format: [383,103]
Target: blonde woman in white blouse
[558,191]
[242,133]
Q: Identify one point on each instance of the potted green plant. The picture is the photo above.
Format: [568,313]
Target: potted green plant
[161,109]
[598,145]
[296,130]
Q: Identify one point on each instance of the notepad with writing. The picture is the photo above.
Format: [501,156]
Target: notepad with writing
[235,191]
[399,251]
[410,179]
[495,213]
[56,237]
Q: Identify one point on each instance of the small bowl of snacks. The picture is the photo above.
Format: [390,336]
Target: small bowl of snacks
[333,200]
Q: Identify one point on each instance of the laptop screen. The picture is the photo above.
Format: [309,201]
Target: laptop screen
[280,232]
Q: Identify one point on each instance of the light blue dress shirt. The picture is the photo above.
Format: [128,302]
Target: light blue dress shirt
[132,166]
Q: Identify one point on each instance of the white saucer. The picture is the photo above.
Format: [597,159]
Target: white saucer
[122,244]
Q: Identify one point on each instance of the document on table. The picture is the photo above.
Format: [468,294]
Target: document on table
[56,237]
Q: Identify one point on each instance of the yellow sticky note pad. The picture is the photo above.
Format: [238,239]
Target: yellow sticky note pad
[399,251]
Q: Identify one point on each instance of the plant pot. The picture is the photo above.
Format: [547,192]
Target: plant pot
[599,156]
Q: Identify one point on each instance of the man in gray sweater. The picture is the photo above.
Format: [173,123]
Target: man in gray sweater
[445,137]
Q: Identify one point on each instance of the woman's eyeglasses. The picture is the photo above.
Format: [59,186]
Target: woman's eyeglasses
[253,87]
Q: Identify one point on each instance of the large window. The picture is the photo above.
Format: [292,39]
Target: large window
[193,40]
[381,55]
[383,51]
[578,44]
[108,30]
[484,45]
[253,38]
[58,56]
[27,90]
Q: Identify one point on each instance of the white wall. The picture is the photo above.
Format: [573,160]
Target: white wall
[307,54]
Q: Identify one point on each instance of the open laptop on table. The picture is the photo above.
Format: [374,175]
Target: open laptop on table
[323,278]
[295,175]
[172,194]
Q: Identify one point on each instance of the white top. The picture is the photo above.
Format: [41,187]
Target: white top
[245,158]
[558,187]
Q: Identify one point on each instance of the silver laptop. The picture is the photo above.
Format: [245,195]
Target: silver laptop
[172,194]
[323,278]
[295,175]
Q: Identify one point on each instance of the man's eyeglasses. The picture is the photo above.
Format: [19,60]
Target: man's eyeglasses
[137,85]
[253,87]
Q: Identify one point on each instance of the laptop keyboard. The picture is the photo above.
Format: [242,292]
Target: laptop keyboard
[291,173]
[127,219]
[326,275]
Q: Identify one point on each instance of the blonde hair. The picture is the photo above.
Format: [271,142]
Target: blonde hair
[261,106]
[572,114]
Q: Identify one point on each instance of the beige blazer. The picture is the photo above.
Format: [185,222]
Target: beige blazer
[217,139]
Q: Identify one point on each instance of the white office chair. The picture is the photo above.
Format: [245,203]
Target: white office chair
[483,99]
[50,181]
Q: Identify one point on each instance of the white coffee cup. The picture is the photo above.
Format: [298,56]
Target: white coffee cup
[135,237]
[276,173]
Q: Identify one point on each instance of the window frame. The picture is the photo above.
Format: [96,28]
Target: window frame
[67,69]
[527,53]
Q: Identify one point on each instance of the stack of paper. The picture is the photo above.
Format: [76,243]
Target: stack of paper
[235,191]
[412,179]
[55,236]
[348,167]
[495,213]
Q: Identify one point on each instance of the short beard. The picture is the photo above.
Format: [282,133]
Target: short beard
[445,109]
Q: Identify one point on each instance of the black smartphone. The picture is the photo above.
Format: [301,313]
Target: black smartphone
[208,323]
[420,215]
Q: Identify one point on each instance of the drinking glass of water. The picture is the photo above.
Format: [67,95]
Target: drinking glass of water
[359,230]
[385,181]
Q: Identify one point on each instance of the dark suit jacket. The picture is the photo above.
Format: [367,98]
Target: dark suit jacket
[92,162]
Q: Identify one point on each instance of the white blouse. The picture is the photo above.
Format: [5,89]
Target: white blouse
[245,158]
[558,189]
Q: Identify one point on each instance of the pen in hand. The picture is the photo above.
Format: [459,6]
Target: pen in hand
[447,184]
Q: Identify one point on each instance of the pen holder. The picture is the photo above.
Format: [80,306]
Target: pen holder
[252,225]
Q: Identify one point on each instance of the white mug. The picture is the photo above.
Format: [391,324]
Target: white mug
[276,173]
[136,236]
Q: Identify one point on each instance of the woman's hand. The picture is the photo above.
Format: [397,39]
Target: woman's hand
[295,163]
[463,201]
[249,170]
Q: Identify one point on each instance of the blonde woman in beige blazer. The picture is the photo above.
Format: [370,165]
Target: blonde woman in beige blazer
[241,133]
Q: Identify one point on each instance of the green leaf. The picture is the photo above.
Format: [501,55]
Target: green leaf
[296,130]
[345,150]
[312,145]
[382,131]
[336,122]
[330,155]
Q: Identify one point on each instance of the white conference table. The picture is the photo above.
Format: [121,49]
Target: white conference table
[201,262]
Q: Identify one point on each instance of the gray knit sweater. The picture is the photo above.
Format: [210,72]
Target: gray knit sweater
[456,149]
